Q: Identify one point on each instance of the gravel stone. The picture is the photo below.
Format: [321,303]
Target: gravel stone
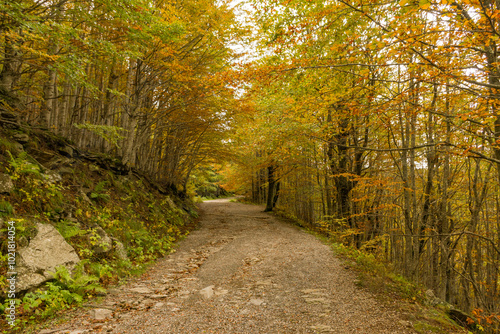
[101,313]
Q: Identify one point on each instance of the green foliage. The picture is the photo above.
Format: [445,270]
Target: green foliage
[24,228]
[147,224]
[64,291]
[423,327]
[204,183]
[377,273]
[112,134]
[79,282]
[69,229]
[6,145]
[98,193]
[103,271]
[96,240]
[21,165]
[6,209]
[45,303]
[34,189]
[146,246]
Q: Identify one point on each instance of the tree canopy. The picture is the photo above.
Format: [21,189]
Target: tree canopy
[143,80]
[376,122]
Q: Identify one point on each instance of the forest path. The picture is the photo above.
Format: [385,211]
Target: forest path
[244,271]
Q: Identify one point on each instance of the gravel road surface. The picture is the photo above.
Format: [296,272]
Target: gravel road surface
[241,271]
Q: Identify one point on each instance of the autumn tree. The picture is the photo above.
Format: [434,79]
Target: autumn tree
[399,148]
[141,80]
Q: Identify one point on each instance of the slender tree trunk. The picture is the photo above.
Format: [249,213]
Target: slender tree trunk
[9,67]
[271,188]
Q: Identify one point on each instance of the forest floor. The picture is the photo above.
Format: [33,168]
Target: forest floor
[242,271]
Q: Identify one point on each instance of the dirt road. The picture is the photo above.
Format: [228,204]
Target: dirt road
[244,271]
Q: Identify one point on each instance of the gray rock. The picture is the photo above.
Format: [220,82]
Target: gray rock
[141,290]
[78,331]
[170,202]
[52,177]
[67,151]
[100,240]
[207,292]
[18,147]
[264,283]
[6,184]
[146,304]
[120,251]
[125,316]
[94,168]
[221,292]
[22,242]
[48,331]
[101,313]
[44,157]
[158,296]
[317,301]
[432,300]
[84,196]
[461,318]
[158,305]
[322,328]
[309,291]
[66,171]
[430,294]
[58,163]
[184,293]
[22,138]
[256,301]
[46,251]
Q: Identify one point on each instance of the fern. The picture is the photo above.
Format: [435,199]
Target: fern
[111,134]
[98,192]
[80,284]
[6,209]
[20,165]
[68,229]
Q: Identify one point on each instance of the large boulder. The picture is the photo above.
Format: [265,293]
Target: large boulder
[6,184]
[46,251]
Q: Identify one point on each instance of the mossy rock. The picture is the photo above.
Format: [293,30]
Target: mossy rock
[423,327]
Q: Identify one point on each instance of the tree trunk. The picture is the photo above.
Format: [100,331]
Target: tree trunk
[271,188]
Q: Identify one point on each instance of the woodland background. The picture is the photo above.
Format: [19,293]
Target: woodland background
[376,122]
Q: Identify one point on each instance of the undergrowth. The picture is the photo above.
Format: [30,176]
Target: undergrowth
[80,205]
